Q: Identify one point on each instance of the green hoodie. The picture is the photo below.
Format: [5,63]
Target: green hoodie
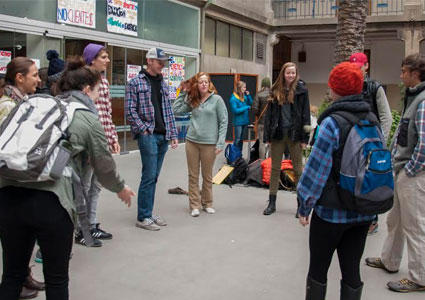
[208,122]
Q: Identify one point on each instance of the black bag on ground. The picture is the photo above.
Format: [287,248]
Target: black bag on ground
[238,175]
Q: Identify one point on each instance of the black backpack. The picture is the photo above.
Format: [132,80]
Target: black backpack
[239,173]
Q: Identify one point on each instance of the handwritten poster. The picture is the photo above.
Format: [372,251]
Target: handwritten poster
[176,74]
[133,71]
[122,16]
[5,58]
[77,12]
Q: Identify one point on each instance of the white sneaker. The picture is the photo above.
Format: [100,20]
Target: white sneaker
[195,212]
[209,210]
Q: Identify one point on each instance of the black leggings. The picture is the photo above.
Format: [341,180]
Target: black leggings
[27,215]
[348,239]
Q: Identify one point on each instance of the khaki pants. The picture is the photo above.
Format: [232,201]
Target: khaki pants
[406,222]
[277,149]
[200,155]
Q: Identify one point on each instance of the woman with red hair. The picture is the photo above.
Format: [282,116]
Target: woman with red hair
[205,138]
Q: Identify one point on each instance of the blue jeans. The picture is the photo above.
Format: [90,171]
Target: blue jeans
[238,142]
[152,150]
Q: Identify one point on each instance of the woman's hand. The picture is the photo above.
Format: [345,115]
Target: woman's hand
[125,195]
[303,220]
[218,151]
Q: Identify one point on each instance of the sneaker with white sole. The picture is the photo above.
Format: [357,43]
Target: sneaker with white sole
[158,221]
[195,212]
[209,210]
[148,224]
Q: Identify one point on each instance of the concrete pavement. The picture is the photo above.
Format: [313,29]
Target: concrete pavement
[236,254]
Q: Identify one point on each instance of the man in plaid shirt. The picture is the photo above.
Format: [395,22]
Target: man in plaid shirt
[96,56]
[148,110]
[405,221]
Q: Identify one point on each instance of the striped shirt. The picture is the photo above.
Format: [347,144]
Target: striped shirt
[417,162]
[140,111]
[104,107]
[316,174]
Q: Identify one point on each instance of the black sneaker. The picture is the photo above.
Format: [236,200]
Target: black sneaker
[100,234]
[79,239]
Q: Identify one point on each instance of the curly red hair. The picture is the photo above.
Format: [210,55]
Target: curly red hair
[194,96]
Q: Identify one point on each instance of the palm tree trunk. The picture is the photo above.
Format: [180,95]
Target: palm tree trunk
[350,30]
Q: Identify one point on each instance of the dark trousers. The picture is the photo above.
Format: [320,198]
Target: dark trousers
[347,239]
[27,215]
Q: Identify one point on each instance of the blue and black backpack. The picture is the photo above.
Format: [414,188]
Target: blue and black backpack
[232,153]
[365,183]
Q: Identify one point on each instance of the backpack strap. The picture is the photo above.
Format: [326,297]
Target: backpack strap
[80,201]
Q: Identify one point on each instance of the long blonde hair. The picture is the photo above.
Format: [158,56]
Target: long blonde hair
[238,91]
[278,88]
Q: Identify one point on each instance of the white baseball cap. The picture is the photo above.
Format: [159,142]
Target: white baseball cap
[156,53]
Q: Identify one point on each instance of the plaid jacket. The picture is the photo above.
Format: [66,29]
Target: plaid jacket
[103,105]
[139,109]
[316,174]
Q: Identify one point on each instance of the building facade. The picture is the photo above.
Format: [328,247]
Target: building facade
[127,28]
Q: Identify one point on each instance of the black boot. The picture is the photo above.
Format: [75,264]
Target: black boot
[271,208]
[348,293]
[315,290]
[298,208]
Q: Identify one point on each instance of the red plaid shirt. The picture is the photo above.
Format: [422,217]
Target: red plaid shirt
[103,105]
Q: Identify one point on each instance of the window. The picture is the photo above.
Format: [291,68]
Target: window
[209,40]
[228,40]
[247,42]
[235,42]
[222,44]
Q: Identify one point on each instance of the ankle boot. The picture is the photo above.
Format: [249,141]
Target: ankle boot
[315,290]
[32,284]
[28,294]
[348,293]
[271,208]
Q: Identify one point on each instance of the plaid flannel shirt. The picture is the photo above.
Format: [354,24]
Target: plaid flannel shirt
[139,109]
[104,107]
[417,162]
[316,174]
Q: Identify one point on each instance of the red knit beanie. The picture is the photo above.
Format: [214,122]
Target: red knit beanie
[346,79]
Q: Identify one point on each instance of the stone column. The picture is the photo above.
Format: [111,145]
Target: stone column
[412,32]
[272,40]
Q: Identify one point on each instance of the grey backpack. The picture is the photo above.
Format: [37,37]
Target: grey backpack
[33,145]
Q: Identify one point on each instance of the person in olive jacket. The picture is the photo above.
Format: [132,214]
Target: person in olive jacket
[287,124]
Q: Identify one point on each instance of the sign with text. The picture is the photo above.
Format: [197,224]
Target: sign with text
[121,16]
[77,12]
[176,74]
[5,58]
[133,71]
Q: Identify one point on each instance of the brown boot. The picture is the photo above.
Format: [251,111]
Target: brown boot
[28,294]
[32,284]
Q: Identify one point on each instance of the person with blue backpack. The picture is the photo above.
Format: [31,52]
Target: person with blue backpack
[346,182]
[240,103]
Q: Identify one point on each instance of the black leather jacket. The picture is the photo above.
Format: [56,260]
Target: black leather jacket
[301,118]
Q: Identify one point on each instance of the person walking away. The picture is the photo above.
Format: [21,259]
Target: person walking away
[333,227]
[287,124]
[258,106]
[205,138]
[405,220]
[148,110]
[374,94]
[240,103]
